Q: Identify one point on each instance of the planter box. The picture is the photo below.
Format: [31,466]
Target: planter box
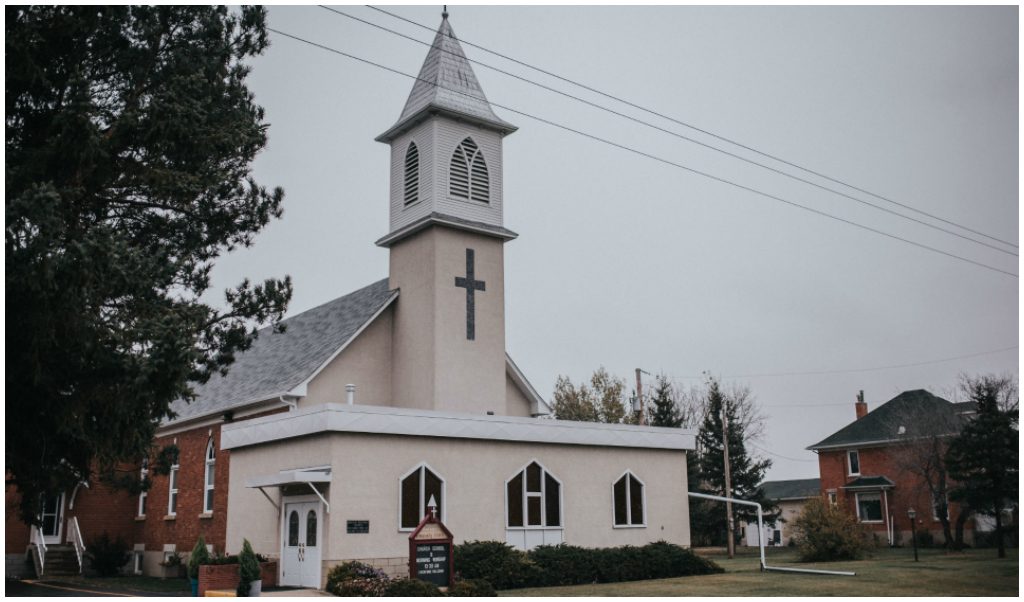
[226,576]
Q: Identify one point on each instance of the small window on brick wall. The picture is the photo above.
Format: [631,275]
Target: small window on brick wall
[208,476]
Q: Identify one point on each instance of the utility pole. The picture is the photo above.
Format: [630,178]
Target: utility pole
[730,544]
[640,394]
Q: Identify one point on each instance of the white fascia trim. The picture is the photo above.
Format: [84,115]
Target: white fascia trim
[381,420]
[300,389]
[539,405]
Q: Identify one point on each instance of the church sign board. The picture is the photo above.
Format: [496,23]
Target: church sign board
[430,551]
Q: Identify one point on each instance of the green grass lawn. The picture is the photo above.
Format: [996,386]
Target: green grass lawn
[890,572]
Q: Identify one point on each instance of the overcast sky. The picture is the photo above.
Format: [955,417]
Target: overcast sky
[626,262]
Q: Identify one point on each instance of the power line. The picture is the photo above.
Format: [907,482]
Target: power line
[648,155]
[677,135]
[757,447]
[856,370]
[706,132]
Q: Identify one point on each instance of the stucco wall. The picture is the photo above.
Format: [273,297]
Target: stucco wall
[366,363]
[365,485]
[516,404]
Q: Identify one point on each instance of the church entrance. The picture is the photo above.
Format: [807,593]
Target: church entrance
[52,518]
[301,542]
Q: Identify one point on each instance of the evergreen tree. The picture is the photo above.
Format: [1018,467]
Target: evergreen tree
[130,135]
[746,472]
[984,458]
[664,406]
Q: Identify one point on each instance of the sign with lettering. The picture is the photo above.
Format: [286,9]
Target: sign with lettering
[430,550]
[433,563]
[358,526]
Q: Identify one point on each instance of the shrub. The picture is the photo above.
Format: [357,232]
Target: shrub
[410,588]
[200,555]
[471,588]
[108,556]
[825,532]
[498,563]
[248,568]
[354,578]
[506,568]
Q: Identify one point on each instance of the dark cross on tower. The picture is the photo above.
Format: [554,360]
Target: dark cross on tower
[471,285]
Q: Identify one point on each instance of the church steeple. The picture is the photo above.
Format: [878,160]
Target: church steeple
[447,85]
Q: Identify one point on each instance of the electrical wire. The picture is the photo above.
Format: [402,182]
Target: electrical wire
[759,448]
[857,370]
[676,134]
[648,155]
[703,131]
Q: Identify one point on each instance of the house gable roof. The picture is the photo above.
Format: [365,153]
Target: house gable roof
[918,413]
[794,489]
[277,362]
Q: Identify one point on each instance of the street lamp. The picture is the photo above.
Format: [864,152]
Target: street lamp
[913,530]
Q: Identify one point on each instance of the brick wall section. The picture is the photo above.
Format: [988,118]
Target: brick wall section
[226,576]
[910,491]
[16,532]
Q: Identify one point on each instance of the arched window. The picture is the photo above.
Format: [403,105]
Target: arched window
[293,528]
[534,499]
[416,488]
[628,499]
[172,490]
[208,477]
[311,528]
[412,174]
[469,179]
[144,479]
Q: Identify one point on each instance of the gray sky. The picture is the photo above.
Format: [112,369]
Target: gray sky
[625,262]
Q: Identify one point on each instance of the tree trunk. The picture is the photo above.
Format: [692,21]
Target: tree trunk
[999,531]
[961,520]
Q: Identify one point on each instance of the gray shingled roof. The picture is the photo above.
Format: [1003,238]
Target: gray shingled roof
[791,490]
[278,361]
[447,83]
[918,412]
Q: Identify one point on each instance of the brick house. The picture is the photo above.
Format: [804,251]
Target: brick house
[871,467]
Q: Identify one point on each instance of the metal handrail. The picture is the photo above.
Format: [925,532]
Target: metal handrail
[40,543]
[75,536]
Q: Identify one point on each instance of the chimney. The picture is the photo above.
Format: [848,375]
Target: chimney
[862,408]
[350,391]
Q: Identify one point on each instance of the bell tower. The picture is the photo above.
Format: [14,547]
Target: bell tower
[446,239]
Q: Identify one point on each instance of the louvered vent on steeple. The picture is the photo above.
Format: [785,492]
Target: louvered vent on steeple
[412,174]
[468,178]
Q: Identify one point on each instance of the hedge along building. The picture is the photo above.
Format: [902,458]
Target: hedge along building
[438,408]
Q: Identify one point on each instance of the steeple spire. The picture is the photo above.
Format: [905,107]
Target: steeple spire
[446,84]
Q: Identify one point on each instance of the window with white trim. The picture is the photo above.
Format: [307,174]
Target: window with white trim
[208,476]
[853,462]
[143,478]
[412,174]
[468,178]
[832,497]
[172,491]
[533,499]
[628,501]
[869,507]
[416,487]
[937,502]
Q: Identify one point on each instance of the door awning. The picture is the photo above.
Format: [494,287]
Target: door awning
[289,477]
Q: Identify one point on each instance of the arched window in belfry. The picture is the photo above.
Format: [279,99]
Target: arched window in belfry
[412,174]
[469,178]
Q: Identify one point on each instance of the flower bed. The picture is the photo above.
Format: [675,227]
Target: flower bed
[226,576]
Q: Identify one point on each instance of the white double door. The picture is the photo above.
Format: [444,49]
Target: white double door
[301,543]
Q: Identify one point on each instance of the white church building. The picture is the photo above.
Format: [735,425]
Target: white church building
[402,390]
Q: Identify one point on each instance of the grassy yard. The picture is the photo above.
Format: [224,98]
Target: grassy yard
[888,573]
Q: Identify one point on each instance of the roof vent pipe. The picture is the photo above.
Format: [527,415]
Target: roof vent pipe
[350,394]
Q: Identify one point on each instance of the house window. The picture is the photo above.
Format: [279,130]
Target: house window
[937,502]
[144,479]
[533,499]
[628,501]
[468,178]
[416,488]
[172,491]
[832,497]
[869,507]
[853,462]
[412,174]
[208,477]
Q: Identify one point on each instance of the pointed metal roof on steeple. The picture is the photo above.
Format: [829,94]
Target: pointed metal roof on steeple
[446,84]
